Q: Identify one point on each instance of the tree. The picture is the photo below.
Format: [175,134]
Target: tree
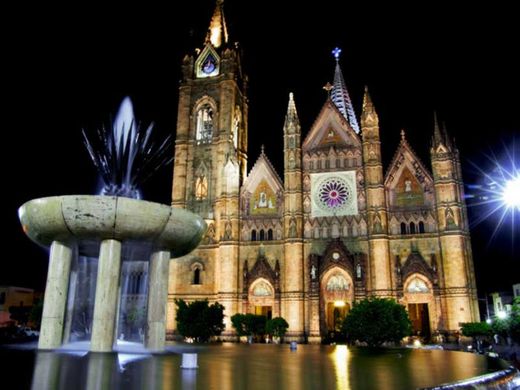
[476,329]
[134,320]
[377,320]
[239,323]
[20,314]
[249,324]
[276,327]
[35,316]
[199,319]
[514,320]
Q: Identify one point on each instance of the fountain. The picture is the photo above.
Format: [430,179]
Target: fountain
[109,256]
[107,289]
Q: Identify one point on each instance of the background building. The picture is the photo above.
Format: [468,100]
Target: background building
[11,296]
[335,229]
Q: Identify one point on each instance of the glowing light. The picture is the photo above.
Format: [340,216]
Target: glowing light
[489,320]
[511,193]
[336,52]
[417,343]
[216,36]
[502,315]
[339,303]
[341,361]
[498,193]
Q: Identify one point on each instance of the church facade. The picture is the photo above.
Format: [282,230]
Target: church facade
[335,229]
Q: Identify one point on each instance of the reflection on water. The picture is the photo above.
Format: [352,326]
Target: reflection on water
[235,366]
[341,360]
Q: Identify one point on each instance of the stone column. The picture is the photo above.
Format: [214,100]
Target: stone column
[157,298]
[107,288]
[51,333]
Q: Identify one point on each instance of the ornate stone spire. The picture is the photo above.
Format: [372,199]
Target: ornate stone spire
[292,122]
[369,116]
[437,137]
[217,32]
[340,95]
[440,134]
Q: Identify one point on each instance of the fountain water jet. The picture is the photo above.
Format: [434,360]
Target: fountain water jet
[94,240]
[126,155]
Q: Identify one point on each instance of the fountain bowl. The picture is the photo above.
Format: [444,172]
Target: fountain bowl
[91,217]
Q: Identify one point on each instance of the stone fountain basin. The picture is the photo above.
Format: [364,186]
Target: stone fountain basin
[91,217]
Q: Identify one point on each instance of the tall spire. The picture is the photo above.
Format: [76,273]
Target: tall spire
[340,95]
[292,122]
[437,137]
[217,32]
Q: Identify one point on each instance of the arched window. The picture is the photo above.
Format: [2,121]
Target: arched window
[253,235]
[204,125]
[262,235]
[412,228]
[403,228]
[421,227]
[270,235]
[196,276]
[197,269]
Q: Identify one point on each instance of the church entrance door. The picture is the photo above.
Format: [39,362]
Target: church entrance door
[266,311]
[335,314]
[420,317]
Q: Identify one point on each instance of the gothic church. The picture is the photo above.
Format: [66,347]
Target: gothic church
[333,230]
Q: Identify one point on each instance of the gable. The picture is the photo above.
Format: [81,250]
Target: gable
[330,129]
[408,183]
[262,189]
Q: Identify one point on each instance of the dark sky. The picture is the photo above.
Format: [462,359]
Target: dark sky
[65,73]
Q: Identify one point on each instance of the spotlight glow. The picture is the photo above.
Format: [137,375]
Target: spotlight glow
[511,194]
[497,194]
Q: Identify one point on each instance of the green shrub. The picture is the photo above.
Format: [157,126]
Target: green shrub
[375,321]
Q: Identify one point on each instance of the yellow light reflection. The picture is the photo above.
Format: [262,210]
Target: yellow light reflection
[339,303]
[341,360]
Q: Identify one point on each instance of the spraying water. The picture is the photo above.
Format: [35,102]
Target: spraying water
[125,154]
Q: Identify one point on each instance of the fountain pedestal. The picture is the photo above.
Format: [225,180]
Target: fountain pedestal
[68,223]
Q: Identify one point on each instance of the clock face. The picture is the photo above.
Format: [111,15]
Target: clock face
[209,65]
[335,255]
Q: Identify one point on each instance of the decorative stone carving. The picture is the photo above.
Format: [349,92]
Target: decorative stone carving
[262,269]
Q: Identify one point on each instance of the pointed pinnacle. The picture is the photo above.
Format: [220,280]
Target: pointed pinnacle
[217,32]
[262,149]
[437,137]
[367,100]
[403,134]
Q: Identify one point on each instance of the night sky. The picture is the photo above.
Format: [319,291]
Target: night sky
[65,73]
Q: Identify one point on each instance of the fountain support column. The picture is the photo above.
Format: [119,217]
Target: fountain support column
[107,289]
[157,298]
[51,333]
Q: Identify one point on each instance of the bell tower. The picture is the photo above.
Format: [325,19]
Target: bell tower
[211,148]
[458,286]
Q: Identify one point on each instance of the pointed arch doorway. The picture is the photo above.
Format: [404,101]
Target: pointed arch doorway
[261,300]
[337,295]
